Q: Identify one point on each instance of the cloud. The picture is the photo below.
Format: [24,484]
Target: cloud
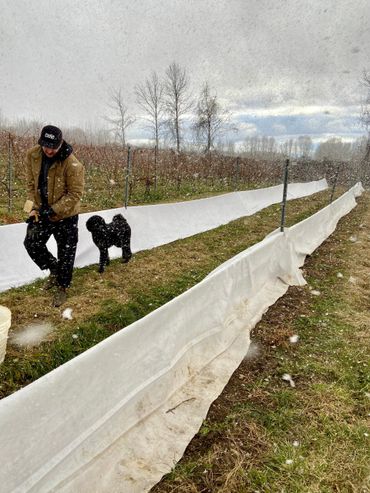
[246,129]
[278,129]
[269,61]
[294,110]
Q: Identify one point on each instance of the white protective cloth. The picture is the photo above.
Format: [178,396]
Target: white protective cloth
[118,416]
[152,226]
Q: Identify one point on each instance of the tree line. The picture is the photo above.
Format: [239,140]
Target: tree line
[168,106]
[302,147]
[171,113]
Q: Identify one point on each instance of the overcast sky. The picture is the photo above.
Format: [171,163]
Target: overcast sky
[283,68]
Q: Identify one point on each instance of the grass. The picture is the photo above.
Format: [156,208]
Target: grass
[261,435]
[99,194]
[126,292]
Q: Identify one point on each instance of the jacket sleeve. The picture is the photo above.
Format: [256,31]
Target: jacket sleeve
[74,187]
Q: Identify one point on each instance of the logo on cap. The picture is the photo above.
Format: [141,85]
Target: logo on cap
[50,136]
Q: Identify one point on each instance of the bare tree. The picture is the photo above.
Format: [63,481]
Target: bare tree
[333,149]
[358,148]
[177,100]
[286,148]
[76,135]
[150,98]
[23,127]
[208,122]
[305,146]
[121,120]
[211,120]
[261,146]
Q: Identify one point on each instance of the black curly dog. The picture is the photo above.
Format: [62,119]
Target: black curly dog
[117,233]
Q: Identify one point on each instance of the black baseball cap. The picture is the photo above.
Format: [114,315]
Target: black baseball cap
[51,137]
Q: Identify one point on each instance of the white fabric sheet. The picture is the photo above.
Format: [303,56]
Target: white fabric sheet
[117,417]
[151,225]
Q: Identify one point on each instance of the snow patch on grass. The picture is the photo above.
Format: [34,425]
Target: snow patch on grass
[32,334]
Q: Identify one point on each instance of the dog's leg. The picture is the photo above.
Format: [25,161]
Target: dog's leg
[104,259]
[126,256]
[126,251]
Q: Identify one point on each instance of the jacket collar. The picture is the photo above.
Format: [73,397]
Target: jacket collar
[36,152]
[66,148]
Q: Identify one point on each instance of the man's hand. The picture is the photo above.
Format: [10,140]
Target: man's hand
[33,217]
[46,213]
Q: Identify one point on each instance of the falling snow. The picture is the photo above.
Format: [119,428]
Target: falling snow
[287,378]
[67,313]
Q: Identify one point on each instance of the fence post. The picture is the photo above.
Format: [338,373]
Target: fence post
[285,190]
[334,183]
[10,175]
[128,171]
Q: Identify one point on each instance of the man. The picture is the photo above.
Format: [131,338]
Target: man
[55,183]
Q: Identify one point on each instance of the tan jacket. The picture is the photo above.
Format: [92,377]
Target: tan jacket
[65,183]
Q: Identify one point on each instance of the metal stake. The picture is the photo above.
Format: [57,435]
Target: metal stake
[10,175]
[334,183]
[285,190]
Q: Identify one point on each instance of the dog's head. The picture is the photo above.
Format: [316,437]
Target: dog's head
[95,223]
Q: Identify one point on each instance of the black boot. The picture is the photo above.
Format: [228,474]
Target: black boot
[52,279]
[60,296]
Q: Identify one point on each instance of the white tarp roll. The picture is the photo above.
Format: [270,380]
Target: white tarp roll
[152,226]
[118,416]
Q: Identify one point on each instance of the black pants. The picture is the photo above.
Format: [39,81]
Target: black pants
[66,236]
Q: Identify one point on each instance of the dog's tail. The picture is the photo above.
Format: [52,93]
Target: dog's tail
[118,218]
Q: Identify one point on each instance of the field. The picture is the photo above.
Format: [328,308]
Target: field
[126,292]
[154,177]
[261,434]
